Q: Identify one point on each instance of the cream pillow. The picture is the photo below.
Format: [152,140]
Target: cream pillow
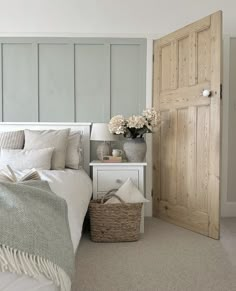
[58,139]
[73,153]
[27,159]
[129,193]
[12,139]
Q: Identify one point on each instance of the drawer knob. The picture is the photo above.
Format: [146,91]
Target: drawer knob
[118,181]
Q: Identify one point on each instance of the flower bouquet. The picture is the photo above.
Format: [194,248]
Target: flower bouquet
[135,125]
[133,128]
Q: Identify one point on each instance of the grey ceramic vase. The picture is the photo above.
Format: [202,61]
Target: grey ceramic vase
[135,149]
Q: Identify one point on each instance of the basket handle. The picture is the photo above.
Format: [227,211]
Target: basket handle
[111,194]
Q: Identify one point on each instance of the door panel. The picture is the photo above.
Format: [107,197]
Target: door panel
[204,55]
[183,60]
[186,152]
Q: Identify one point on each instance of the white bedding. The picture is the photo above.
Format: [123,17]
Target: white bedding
[76,188]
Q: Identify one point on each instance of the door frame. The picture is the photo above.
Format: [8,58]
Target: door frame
[228,208]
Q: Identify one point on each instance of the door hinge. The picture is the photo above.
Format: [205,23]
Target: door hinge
[153,58]
[221,91]
[152,193]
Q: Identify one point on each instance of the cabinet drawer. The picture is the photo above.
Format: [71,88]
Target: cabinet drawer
[113,179]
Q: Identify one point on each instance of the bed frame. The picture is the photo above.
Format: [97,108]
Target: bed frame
[84,128]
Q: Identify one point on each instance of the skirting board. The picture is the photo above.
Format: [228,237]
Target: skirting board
[228,209]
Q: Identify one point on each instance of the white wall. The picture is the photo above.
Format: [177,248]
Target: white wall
[108,16]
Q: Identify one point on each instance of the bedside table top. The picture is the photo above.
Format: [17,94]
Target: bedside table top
[99,163]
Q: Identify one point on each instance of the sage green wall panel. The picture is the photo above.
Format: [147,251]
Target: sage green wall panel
[127,79]
[71,79]
[56,82]
[92,90]
[18,83]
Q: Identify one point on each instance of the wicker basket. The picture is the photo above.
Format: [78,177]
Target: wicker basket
[117,222]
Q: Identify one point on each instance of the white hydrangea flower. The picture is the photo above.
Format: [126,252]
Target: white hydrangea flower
[152,117]
[117,125]
[136,121]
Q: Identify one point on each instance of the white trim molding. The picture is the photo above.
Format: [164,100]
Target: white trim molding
[149,77]
[148,206]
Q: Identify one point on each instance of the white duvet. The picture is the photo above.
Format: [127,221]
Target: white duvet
[76,188]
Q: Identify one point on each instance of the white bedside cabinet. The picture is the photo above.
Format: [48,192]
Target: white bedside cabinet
[107,176]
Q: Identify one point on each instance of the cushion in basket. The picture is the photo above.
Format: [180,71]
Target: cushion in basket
[12,139]
[27,159]
[58,139]
[129,193]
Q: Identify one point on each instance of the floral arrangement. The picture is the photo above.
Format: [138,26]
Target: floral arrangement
[135,125]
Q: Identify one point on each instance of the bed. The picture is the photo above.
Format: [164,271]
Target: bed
[72,185]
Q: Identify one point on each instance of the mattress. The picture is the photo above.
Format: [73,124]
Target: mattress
[75,187]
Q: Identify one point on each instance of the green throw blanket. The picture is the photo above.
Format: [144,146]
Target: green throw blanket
[34,232]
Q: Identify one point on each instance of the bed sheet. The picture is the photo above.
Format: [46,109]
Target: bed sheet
[75,187]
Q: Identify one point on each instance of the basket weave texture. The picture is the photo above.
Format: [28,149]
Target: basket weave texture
[119,222]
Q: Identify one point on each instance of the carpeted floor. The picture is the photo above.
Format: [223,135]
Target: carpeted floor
[167,258]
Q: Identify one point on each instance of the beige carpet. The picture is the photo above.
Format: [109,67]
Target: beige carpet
[167,258]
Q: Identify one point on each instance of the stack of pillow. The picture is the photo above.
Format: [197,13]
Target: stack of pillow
[40,149]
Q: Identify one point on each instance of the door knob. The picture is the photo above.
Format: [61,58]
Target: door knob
[206,93]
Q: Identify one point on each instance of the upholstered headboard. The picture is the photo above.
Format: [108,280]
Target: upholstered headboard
[84,128]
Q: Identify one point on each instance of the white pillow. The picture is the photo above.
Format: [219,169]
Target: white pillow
[73,153]
[129,193]
[58,139]
[27,159]
[12,139]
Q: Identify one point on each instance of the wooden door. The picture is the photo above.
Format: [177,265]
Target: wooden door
[186,149]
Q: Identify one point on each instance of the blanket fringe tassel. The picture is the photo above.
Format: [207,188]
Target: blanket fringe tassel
[19,262]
